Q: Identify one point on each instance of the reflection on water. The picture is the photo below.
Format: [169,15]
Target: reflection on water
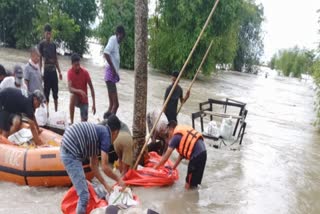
[277,169]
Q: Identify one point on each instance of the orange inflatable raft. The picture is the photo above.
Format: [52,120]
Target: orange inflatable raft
[35,166]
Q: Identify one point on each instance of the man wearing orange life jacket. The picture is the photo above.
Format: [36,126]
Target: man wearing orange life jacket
[189,144]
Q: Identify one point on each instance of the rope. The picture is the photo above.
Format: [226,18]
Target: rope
[176,82]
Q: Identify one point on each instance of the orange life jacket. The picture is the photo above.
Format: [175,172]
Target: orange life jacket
[189,138]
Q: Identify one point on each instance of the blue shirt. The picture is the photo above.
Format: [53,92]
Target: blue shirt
[84,140]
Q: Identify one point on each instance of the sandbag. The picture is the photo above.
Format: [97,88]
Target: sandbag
[70,201]
[212,129]
[226,128]
[147,176]
[41,115]
[58,119]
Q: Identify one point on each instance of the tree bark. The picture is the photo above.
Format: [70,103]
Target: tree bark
[141,75]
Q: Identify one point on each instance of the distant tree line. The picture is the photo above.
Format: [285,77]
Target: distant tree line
[235,29]
[294,61]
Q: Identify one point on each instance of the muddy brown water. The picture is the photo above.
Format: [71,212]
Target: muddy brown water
[276,170]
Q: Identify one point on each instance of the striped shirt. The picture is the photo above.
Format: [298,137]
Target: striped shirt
[84,140]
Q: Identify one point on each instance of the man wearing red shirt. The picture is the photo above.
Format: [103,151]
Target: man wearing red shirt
[78,79]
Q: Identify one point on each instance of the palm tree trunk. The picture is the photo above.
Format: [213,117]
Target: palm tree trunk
[141,75]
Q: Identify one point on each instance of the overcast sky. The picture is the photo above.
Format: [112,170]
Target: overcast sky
[287,23]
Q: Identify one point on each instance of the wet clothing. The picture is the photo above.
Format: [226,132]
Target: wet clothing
[112,87]
[33,75]
[48,51]
[196,169]
[75,171]
[172,106]
[80,81]
[198,155]
[84,140]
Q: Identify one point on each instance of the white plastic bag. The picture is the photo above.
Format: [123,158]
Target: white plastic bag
[123,199]
[212,129]
[226,128]
[58,119]
[22,136]
[41,115]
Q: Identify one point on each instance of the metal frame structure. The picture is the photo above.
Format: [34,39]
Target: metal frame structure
[207,109]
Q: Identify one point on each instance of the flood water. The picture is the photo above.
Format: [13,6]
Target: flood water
[276,170]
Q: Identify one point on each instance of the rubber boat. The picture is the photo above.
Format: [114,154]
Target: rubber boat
[35,166]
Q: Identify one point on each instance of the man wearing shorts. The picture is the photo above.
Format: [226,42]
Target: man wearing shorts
[78,80]
[14,103]
[189,144]
[48,52]
[112,55]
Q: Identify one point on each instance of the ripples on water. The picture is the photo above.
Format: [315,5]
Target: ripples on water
[276,171]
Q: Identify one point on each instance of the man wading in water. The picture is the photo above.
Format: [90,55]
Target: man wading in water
[48,51]
[172,106]
[112,55]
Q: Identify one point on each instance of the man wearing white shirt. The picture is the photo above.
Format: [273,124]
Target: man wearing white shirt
[15,81]
[112,55]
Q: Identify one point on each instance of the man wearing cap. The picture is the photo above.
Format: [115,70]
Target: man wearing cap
[78,81]
[16,81]
[48,53]
[32,74]
[172,106]
[14,104]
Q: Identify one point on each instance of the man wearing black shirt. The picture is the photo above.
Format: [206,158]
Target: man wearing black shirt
[13,104]
[48,51]
[171,108]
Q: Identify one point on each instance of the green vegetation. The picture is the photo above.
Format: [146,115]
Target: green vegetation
[119,13]
[235,31]
[293,61]
[22,22]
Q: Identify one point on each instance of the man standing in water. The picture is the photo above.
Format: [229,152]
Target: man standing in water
[172,106]
[78,80]
[32,74]
[189,144]
[87,140]
[112,55]
[48,51]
